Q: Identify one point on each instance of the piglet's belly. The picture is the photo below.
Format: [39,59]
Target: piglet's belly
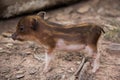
[61,45]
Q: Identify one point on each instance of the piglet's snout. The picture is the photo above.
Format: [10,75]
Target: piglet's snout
[14,36]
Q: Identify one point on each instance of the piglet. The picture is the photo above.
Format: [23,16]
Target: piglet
[54,36]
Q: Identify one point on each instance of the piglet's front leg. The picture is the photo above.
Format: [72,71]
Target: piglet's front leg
[49,57]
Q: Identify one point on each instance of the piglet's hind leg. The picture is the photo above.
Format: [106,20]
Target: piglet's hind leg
[96,62]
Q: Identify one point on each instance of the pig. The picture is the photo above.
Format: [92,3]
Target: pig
[53,36]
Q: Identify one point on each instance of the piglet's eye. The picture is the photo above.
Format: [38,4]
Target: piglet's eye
[21,28]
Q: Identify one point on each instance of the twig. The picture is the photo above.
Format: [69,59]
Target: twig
[80,67]
[83,75]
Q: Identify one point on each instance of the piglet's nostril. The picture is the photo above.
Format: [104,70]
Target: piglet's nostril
[14,35]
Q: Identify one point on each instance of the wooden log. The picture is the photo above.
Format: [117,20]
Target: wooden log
[10,8]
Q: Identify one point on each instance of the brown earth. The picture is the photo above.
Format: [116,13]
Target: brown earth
[25,60]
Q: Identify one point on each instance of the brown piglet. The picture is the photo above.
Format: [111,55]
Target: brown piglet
[53,37]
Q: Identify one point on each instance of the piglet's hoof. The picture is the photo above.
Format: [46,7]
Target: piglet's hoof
[94,70]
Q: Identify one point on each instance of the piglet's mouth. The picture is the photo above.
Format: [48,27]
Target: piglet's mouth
[19,39]
[16,37]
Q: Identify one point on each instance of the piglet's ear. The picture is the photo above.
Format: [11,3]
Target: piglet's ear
[42,14]
[35,24]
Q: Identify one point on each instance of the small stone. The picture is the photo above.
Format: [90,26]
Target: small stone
[18,76]
[32,71]
[83,9]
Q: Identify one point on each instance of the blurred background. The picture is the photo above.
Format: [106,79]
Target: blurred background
[16,58]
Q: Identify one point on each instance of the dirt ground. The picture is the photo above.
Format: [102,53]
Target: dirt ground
[25,60]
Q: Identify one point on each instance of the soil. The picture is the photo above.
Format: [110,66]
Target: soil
[25,60]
